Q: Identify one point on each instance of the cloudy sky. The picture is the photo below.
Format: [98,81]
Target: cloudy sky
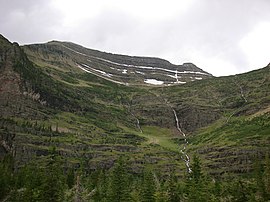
[222,37]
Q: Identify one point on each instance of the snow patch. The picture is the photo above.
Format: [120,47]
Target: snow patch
[181,82]
[109,79]
[172,76]
[153,81]
[96,70]
[191,72]
[140,72]
[139,67]
[134,66]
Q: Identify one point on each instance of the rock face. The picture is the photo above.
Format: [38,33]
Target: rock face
[10,82]
[15,102]
[128,70]
[15,70]
[9,90]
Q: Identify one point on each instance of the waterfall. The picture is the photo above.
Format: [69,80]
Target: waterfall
[184,156]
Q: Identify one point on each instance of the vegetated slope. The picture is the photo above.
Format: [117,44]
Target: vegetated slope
[241,105]
[87,118]
[121,69]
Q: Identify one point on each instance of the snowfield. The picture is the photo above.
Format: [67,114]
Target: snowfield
[153,81]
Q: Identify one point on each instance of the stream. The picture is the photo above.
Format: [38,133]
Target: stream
[137,122]
[184,156]
[243,97]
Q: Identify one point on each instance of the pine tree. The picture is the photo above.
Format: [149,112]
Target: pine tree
[29,181]
[148,186]
[266,177]
[70,180]
[216,189]
[258,169]
[239,191]
[6,175]
[172,188]
[53,184]
[119,187]
[196,174]
[101,186]
[195,183]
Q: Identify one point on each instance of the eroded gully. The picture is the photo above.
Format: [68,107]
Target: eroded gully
[135,117]
[242,96]
[185,157]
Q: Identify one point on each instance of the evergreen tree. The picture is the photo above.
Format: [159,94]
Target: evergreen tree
[239,191]
[148,186]
[70,180]
[29,181]
[196,175]
[259,179]
[215,190]
[266,177]
[6,176]
[119,187]
[195,184]
[53,184]
[101,187]
[172,188]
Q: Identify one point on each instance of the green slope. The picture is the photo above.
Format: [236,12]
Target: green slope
[93,120]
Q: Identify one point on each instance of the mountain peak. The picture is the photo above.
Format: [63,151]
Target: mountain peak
[122,69]
[4,43]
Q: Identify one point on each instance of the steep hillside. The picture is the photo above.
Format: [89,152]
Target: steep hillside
[93,107]
[120,69]
[240,107]
[84,116]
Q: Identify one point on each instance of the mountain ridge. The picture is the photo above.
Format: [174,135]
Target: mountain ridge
[87,117]
[122,68]
[118,54]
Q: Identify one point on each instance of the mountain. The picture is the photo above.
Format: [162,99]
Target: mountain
[122,69]
[93,107]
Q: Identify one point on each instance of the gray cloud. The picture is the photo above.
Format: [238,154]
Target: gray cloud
[28,21]
[208,33]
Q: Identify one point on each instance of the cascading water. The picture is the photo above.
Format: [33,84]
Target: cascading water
[243,97]
[137,122]
[242,94]
[184,156]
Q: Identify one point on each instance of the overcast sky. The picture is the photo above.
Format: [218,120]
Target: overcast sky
[222,37]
